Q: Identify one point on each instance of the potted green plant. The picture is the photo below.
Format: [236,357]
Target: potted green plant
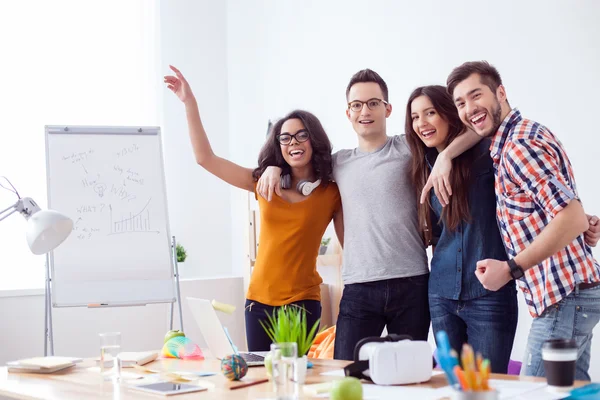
[181,253]
[289,324]
[324,244]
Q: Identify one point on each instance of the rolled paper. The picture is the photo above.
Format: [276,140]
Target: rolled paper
[226,308]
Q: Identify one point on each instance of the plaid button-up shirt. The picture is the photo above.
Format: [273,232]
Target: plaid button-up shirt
[534,182]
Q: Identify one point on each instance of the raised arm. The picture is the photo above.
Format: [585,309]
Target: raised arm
[226,170]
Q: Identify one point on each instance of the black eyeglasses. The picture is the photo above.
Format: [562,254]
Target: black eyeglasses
[373,103]
[286,138]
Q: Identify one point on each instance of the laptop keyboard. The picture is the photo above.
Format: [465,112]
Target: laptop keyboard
[250,357]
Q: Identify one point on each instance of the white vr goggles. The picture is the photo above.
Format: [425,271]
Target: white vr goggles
[392,360]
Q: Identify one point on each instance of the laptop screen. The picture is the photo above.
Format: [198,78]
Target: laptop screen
[210,327]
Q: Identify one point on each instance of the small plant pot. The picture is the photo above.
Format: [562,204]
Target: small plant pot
[300,365]
[322,250]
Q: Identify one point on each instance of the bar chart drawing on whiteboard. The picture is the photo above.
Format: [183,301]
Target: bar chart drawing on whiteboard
[139,222]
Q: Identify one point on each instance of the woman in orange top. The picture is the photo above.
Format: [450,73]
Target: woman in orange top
[293,224]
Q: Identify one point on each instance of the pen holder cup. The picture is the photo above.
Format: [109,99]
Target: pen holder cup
[488,395]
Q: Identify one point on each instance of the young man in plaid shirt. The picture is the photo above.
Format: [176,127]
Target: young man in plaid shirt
[540,217]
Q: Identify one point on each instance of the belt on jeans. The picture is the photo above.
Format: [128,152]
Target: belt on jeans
[583,286]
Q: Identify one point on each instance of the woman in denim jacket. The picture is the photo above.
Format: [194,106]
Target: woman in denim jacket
[461,233]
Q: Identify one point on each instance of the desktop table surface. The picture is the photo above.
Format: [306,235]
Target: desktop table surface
[81,383]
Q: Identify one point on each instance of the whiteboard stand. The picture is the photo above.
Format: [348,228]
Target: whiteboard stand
[178,292]
[110,181]
[48,334]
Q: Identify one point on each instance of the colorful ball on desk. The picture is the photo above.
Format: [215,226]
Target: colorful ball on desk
[234,367]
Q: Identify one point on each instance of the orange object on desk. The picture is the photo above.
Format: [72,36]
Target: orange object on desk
[323,345]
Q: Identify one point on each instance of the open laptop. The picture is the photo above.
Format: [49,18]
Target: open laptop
[214,334]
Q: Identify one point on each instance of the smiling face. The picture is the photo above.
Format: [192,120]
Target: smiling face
[478,106]
[297,153]
[368,123]
[428,124]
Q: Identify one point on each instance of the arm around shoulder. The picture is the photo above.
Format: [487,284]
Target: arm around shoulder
[467,139]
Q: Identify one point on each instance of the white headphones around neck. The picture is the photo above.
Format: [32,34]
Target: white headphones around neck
[304,187]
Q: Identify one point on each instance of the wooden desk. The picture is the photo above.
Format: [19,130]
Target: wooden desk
[79,383]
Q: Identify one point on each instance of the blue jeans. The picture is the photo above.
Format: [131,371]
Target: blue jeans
[257,338]
[366,308]
[487,323]
[574,317]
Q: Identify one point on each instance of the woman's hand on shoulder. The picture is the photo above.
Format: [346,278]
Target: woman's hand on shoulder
[269,182]
[439,180]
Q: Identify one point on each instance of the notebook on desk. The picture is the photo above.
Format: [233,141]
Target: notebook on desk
[130,358]
[42,365]
[215,335]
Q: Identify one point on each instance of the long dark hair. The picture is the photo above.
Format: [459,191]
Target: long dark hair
[458,208]
[270,154]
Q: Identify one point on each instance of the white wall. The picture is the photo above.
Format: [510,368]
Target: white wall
[193,38]
[284,55]
[142,328]
[68,69]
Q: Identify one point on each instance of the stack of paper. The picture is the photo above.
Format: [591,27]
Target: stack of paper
[42,365]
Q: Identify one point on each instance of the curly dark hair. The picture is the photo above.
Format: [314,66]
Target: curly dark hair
[270,155]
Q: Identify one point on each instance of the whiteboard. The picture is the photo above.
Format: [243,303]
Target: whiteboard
[110,182]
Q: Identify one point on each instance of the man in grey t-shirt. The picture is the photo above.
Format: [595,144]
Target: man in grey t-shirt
[381,226]
[384,268]
[384,262]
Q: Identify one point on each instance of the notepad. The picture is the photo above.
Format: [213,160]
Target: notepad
[43,365]
[130,359]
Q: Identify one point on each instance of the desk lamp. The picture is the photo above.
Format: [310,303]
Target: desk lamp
[46,229]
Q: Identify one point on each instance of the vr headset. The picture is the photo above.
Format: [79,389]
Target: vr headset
[392,360]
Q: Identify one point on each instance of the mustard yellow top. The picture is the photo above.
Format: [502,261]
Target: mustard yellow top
[290,236]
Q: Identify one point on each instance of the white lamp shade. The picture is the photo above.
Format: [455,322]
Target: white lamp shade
[46,230]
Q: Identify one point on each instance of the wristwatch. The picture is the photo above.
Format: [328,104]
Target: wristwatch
[515,270]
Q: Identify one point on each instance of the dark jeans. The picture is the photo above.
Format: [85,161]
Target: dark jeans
[256,336]
[366,308]
[487,323]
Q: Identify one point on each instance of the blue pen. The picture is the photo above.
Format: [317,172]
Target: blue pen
[447,361]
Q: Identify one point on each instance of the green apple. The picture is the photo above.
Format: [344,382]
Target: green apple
[171,334]
[348,388]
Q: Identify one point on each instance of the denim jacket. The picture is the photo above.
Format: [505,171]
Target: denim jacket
[457,252]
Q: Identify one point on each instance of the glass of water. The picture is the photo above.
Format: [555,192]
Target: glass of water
[283,356]
[110,347]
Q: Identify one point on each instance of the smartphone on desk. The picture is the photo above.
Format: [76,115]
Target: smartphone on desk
[168,388]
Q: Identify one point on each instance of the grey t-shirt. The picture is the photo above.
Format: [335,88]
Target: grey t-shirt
[381,232]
